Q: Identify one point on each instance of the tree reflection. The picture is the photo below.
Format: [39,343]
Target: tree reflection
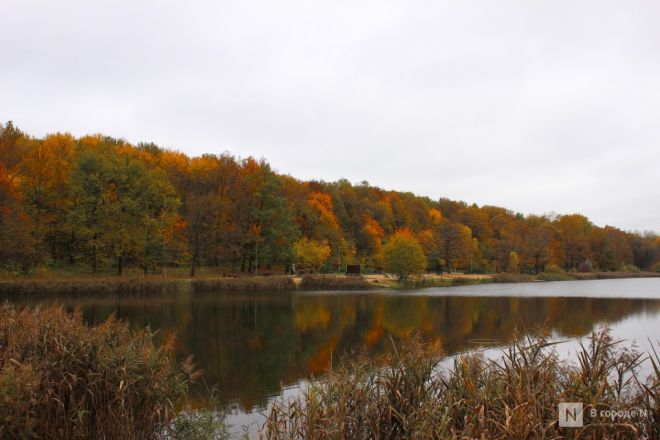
[250,345]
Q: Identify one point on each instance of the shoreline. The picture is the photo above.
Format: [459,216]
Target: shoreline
[152,285]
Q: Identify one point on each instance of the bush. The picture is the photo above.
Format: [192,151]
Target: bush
[553,276]
[656,267]
[506,277]
[630,268]
[60,378]
[553,268]
[553,272]
[585,267]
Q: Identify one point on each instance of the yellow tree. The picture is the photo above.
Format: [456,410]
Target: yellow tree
[403,255]
[311,254]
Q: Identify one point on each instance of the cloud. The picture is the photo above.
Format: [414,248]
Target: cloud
[535,106]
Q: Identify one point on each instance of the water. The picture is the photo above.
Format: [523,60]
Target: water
[251,345]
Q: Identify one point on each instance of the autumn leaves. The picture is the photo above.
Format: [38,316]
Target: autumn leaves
[101,204]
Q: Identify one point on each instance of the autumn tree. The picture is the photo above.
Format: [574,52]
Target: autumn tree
[454,244]
[403,255]
[17,243]
[311,254]
[574,235]
[103,201]
[120,209]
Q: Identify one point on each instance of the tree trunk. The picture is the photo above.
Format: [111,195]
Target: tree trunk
[120,265]
[193,266]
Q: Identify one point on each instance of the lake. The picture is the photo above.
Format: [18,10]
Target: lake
[251,345]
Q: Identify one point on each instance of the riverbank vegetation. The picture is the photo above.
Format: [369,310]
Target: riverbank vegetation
[60,378]
[100,205]
[407,396]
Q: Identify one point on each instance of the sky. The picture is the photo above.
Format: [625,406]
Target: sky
[537,106]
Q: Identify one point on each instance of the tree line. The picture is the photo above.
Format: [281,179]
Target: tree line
[102,203]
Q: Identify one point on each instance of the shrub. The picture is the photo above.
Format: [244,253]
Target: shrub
[506,277]
[656,267]
[552,276]
[630,268]
[60,378]
[553,268]
[585,267]
[553,272]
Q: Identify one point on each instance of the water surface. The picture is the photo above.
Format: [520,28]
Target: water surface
[252,344]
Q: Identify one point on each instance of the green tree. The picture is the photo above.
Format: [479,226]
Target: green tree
[403,255]
[120,210]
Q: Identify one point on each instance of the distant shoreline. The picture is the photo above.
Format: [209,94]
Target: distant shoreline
[151,285]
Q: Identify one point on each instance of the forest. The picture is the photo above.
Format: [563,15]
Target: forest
[99,204]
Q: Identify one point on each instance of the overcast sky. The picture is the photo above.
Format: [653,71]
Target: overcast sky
[534,106]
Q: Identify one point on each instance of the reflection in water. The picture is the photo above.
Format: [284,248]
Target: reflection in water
[252,344]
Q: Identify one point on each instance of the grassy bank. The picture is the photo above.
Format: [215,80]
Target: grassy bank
[517,397]
[272,283]
[82,286]
[60,378]
[332,282]
[152,285]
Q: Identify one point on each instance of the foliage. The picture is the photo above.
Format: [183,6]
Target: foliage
[514,263]
[311,254]
[103,203]
[60,378]
[630,268]
[403,255]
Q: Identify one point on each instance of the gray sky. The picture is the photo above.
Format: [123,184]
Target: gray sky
[536,106]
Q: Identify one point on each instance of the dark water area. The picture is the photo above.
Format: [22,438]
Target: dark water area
[252,344]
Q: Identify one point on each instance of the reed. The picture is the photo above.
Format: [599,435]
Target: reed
[335,282]
[60,378]
[511,398]
[277,283]
[506,277]
[613,275]
[85,286]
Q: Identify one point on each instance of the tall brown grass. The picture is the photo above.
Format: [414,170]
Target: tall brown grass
[60,378]
[280,283]
[83,286]
[514,397]
[335,282]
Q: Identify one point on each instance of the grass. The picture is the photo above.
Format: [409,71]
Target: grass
[513,398]
[82,286]
[613,275]
[60,378]
[506,277]
[154,284]
[271,283]
[334,282]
